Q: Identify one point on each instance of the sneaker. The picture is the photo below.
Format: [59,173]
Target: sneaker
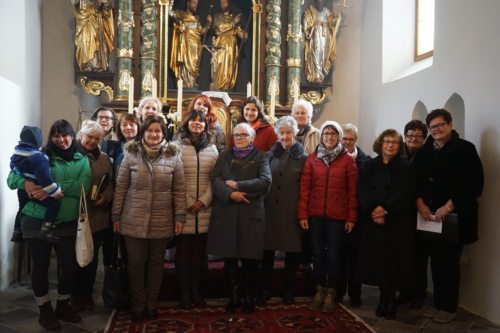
[430,312]
[443,317]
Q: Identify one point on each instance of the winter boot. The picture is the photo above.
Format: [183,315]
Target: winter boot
[65,312]
[48,318]
[319,298]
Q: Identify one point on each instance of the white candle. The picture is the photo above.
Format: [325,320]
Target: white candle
[272,105]
[131,95]
[154,87]
[249,89]
[295,91]
[179,100]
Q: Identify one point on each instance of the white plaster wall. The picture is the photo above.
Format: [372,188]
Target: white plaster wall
[20,91]
[467,49]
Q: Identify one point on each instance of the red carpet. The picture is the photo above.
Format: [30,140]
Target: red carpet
[268,319]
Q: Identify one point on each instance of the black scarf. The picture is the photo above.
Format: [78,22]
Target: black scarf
[303,132]
[65,154]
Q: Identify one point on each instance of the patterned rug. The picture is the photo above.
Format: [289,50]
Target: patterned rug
[271,318]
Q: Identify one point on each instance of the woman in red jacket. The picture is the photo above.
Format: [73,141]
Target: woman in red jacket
[328,207]
[252,113]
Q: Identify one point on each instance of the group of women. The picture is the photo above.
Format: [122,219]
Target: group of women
[247,200]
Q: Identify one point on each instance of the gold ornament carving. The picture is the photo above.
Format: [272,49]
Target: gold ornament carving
[125,53]
[295,37]
[293,62]
[126,25]
[95,88]
[316,97]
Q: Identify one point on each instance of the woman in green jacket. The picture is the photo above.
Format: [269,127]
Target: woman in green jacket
[70,169]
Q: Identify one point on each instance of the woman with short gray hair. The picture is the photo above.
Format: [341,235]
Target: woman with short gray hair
[99,201]
[309,136]
[149,106]
[240,180]
[286,159]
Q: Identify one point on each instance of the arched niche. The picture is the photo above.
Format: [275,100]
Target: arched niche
[455,105]
[419,111]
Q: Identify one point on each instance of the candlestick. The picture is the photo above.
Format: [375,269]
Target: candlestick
[131,95]
[154,92]
[249,89]
[179,100]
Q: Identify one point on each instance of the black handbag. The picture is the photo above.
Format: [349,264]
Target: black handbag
[449,233]
[115,290]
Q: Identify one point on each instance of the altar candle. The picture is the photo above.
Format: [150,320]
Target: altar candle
[272,104]
[179,100]
[154,92]
[249,89]
[131,95]
[295,91]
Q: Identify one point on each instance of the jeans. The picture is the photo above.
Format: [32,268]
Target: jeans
[326,245]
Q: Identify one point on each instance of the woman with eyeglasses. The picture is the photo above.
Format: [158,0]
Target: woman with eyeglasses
[449,180]
[328,208]
[415,133]
[387,222]
[240,181]
[252,113]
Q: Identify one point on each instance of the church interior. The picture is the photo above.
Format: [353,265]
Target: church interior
[374,82]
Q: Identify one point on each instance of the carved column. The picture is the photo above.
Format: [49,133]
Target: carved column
[294,40]
[125,52]
[149,45]
[273,44]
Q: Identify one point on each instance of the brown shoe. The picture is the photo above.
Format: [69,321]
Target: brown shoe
[329,301]
[48,319]
[65,312]
[318,299]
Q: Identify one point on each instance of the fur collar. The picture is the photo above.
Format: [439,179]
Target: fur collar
[169,150]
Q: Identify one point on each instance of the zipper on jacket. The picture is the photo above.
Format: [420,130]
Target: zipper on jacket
[326,188]
[196,227]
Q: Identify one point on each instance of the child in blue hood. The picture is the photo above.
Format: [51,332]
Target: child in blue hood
[29,162]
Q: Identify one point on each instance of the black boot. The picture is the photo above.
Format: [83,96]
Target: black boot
[64,311]
[382,304]
[249,284]
[196,296]
[391,304]
[48,318]
[234,298]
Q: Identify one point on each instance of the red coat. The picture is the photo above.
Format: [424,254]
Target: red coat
[265,137]
[329,192]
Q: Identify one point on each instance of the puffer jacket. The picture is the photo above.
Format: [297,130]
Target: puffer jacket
[329,192]
[197,169]
[149,195]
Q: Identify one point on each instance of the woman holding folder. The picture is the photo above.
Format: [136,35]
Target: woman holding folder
[240,181]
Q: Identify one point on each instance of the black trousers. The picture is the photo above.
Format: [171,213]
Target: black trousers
[349,261]
[40,251]
[445,269]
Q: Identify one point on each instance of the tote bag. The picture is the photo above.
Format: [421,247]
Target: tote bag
[84,245]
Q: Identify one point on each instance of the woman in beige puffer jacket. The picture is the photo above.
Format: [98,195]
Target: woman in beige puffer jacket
[148,208]
[198,158]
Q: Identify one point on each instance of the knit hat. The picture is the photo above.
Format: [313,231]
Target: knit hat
[31,135]
[334,124]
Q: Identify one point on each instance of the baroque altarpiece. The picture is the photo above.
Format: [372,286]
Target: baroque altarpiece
[278,50]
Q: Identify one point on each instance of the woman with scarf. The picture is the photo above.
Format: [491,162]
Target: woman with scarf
[252,113]
[70,169]
[198,158]
[240,180]
[99,208]
[328,208]
[148,209]
[286,160]
[308,135]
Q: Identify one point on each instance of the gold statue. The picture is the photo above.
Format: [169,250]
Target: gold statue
[227,30]
[94,34]
[319,51]
[186,44]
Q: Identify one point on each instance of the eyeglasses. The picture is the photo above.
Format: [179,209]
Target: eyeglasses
[332,134]
[414,136]
[108,118]
[390,142]
[437,126]
[347,139]
[240,136]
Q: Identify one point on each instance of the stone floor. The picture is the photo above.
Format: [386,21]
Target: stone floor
[19,313]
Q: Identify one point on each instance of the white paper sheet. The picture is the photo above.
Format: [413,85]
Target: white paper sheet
[426,225]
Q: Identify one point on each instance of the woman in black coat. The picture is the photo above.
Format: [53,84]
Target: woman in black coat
[449,180]
[240,180]
[387,245]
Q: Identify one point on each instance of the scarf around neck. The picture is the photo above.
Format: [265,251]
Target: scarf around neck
[329,155]
[65,154]
[301,136]
[152,152]
[241,153]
